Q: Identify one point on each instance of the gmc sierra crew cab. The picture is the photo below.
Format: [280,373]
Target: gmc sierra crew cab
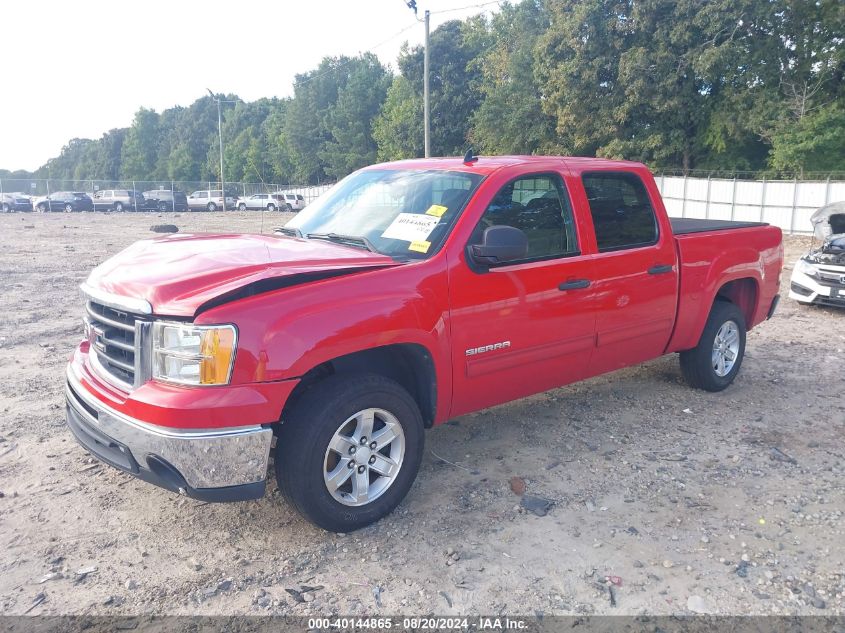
[410,293]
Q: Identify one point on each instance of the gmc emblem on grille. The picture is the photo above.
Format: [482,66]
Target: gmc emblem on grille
[473,351]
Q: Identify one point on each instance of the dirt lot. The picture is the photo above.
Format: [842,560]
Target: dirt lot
[666,500]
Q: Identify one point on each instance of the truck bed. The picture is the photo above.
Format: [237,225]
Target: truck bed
[682,226]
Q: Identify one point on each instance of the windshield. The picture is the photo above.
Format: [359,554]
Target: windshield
[405,214]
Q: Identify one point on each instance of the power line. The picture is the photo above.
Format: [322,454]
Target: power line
[471,6]
[382,43]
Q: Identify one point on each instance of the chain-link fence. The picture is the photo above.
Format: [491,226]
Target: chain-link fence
[39,189]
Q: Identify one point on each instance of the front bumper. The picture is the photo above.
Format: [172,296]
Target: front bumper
[210,465]
[806,289]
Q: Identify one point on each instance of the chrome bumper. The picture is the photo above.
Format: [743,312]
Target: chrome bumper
[214,465]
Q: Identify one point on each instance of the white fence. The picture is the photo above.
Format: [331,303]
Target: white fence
[784,203]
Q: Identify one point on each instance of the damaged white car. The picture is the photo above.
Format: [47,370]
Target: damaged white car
[819,276]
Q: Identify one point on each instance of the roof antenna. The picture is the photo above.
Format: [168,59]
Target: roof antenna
[469,158]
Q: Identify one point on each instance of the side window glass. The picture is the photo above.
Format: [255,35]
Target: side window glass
[621,209]
[537,205]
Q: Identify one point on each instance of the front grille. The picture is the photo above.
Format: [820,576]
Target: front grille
[831,279]
[112,338]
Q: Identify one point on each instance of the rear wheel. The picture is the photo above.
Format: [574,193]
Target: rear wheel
[42,208]
[349,450]
[68,208]
[7,208]
[211,206]
[162,206]
[118,206]
[713,364]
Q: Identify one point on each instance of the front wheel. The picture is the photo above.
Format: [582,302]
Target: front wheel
[713,364]
[271,207]
[68,208]
[7,208]
[242,207]
[162,206]
[349,450]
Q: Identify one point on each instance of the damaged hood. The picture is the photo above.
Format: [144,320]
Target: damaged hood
[829,220]
[178,274]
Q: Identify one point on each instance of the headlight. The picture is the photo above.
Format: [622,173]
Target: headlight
[193,354]
[805,267]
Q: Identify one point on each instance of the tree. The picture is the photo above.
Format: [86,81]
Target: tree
[140,149]
[635,79]
[349,119]
[813,143]
[510,118]
[454,83]
[398,129]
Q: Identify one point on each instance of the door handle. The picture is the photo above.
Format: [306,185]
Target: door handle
[660,269]
[575,284]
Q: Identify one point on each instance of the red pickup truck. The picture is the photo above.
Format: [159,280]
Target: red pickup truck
[410,293]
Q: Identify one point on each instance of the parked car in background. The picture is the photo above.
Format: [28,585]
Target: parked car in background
[295,201]
[15,202]
[65,201]
[166,200]
[819,276]
[210,200]
[119,200]
[269,201]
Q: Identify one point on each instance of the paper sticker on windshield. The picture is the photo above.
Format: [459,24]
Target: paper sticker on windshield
[412,227]
[420,247]
[437,210]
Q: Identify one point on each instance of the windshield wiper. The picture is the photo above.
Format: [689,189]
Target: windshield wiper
[288,231]
[350,240]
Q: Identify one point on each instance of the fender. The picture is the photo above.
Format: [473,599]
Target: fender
[284,333]
[706,266]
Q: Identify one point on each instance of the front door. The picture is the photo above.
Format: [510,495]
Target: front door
[525,326]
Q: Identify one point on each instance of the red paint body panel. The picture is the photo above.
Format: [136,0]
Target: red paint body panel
[553,337]
[188,408]
[710,260]
[179,273]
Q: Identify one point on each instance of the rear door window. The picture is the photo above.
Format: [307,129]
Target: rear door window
[623,216]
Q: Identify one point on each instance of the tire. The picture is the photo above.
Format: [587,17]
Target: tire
[303,456]
[118,206]
[708,366]
[162,206]
[42,208]
[68,208]
[271,207]
[242,207]
[211,206]
[289,208]
[6,208]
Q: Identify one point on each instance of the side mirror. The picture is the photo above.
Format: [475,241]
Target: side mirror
[500,244]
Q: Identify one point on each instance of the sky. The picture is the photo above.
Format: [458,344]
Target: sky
[79,69]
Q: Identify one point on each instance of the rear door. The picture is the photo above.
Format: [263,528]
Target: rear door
[526,326]
[635,272]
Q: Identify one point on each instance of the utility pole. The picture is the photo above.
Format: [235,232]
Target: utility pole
[220,133]
[426,93]
[412,4]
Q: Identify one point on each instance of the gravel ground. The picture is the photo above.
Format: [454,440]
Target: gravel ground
[665,500]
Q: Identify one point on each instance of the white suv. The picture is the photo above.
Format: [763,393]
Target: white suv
[295,201]
[210,200]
